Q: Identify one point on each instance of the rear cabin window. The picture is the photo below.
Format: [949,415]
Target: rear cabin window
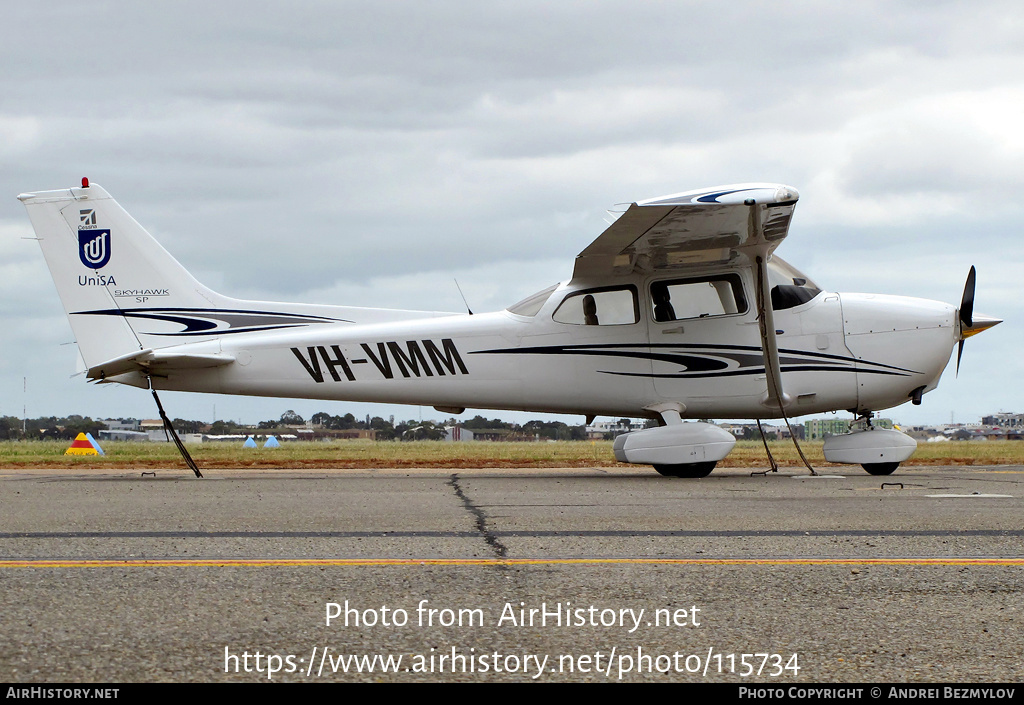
[532,304]
[600,307]
[677,299]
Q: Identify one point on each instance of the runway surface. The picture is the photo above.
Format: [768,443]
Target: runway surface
[552,575]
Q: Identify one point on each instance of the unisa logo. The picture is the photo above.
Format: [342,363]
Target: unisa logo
[94,248]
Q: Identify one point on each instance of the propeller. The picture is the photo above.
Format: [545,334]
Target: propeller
[966,314]
[969,323]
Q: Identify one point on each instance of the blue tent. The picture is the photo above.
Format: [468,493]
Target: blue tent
[95,445]
[271,443]
[249,443]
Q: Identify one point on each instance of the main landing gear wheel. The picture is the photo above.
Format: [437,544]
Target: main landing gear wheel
[880,468]
[687,469]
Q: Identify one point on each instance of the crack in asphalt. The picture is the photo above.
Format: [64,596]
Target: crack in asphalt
[481,518]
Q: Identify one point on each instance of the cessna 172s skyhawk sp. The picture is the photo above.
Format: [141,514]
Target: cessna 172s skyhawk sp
[678,310]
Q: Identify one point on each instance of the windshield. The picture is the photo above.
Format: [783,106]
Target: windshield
[790,287]
[782,272]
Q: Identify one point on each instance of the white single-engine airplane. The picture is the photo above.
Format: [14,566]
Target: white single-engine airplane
[679,310]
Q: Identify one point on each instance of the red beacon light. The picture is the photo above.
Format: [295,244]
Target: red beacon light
[85,182]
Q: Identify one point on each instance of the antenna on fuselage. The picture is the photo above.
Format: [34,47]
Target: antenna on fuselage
[463,296]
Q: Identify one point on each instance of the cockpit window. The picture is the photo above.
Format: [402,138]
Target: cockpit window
[789,287]
[615,306]
[698,297]
[532,304]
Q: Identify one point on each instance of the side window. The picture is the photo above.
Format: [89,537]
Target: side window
[599,307]
[677,299]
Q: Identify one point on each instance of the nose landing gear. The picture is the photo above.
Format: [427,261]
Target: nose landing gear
[878,450]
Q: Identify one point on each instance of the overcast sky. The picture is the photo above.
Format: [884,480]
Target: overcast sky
[368,153]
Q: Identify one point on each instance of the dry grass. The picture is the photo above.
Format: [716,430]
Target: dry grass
[428,454]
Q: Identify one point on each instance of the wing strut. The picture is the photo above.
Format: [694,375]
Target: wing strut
[169,428]
[769,345]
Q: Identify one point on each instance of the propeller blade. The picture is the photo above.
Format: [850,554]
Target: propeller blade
[969,324]
[967,302]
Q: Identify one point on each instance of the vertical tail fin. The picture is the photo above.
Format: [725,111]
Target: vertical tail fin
[124,293]
[110,272]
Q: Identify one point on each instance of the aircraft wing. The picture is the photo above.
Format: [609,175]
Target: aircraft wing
[706,226]
[696,230]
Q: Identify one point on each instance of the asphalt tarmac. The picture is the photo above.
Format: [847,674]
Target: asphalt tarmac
[514,575]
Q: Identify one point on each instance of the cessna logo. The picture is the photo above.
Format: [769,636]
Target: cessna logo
[88,218]
[94,248]
[413,358]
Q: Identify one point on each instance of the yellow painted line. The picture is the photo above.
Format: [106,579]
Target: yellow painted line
[353,562]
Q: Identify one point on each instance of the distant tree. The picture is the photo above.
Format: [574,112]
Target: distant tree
[554,430]
[10,428]
[335,423]
[223,428]
[385,430]
[186,426]
[480,422]
[291,418]
[750,433]
[321,418]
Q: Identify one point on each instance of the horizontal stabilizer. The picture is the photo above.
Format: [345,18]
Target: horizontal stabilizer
[157,362]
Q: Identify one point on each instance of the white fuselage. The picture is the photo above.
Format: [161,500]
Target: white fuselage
[663,316]
[837,351]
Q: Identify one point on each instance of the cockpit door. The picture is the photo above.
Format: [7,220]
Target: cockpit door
[704,342]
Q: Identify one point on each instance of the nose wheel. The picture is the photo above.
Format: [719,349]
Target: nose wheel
[880,468]
[686,469]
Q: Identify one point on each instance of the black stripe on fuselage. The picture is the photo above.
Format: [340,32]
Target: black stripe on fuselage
[208,321]
[715,362]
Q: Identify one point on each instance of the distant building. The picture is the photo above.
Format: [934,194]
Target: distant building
[1003,420]
[123,435]
[817,429]
[154,428]
[320,433]
[349,434]
[457,433]
[610,429]
[750,431]
[494,434]
[120,424]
